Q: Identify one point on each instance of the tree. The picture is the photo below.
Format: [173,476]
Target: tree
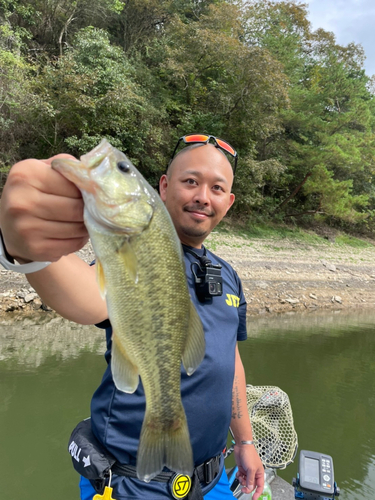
[329,124]
[88,94]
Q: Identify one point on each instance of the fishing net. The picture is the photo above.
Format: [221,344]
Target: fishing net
[272,422]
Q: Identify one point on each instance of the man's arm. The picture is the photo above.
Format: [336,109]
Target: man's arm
[41,219]
[69,287]
[250,468]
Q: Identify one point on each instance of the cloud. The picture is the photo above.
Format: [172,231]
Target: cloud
[350,21]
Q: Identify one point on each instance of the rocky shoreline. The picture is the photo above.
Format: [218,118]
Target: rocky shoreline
[279,275]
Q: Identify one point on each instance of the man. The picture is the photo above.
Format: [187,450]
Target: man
[41,219]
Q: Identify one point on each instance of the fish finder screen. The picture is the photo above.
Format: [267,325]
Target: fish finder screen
[312,470]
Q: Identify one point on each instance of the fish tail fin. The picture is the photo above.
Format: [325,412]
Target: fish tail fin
[161,447]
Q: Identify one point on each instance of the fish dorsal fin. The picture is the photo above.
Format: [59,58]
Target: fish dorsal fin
[124,372]
[195,344]
[100,278]
[127,254]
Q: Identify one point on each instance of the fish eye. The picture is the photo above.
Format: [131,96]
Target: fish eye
[123,166]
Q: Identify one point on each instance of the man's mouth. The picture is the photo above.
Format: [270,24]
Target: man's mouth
[199,213]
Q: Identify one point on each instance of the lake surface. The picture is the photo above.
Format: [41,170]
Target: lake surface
[325,363]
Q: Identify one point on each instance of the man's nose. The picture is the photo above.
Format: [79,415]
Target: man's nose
[202,195]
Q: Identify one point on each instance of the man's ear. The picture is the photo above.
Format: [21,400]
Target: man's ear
[163,184]
[231,201]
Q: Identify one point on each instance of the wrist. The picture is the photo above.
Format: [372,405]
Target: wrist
[5,251]
[25,267]
[244,442]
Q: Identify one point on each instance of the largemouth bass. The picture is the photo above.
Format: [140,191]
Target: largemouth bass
[140,270]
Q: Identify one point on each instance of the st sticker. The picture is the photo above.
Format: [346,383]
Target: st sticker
[180,486]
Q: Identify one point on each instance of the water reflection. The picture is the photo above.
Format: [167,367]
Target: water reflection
[326,365]
[27,343]
[48,372]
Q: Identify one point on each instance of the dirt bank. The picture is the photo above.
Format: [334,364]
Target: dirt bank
[278,275]
[281,275]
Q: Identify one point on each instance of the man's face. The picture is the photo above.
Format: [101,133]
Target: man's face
[197,192]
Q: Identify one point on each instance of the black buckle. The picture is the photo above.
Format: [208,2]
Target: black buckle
[211,469]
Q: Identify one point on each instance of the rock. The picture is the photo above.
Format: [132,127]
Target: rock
[292,301]
[329,266]
[336,298]
[261,284]
[37,303]
[30,297]
[313,296]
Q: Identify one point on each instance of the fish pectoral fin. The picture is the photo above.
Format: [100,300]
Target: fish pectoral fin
[124,372]
[100,278]
[195,344]
[126,252]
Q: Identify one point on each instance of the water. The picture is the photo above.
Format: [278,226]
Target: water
[47,375]
[325,363]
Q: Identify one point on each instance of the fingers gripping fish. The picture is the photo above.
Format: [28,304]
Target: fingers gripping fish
[139,268]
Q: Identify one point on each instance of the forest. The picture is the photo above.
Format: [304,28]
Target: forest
[297,106]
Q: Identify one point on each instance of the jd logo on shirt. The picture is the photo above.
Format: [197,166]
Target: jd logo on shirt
[180,486]
[232,300]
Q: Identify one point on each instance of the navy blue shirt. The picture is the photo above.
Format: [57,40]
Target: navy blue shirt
[206,395]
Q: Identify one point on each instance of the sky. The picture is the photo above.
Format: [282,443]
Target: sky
[350,21]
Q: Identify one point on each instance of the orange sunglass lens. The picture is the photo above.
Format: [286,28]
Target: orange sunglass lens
[196,138]
[227,147]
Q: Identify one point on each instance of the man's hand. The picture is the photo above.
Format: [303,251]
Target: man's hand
[250,469]
[41,213]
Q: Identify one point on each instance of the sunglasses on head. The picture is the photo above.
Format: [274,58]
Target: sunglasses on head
[204,139]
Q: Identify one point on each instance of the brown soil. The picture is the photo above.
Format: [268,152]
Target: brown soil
[278,275]
[284,275]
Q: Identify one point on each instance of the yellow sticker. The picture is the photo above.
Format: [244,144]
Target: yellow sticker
[181,485]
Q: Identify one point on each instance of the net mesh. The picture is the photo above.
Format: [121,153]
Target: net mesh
[272,422]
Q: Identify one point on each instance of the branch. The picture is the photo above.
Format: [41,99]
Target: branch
[65,27]
[308,212]
[293,194]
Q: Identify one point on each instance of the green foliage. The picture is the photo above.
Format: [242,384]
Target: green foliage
[297,106]
[14,94]
[88,94]
[345,239]
[335,197]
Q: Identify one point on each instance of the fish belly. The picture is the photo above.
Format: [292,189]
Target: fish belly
[149,312]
